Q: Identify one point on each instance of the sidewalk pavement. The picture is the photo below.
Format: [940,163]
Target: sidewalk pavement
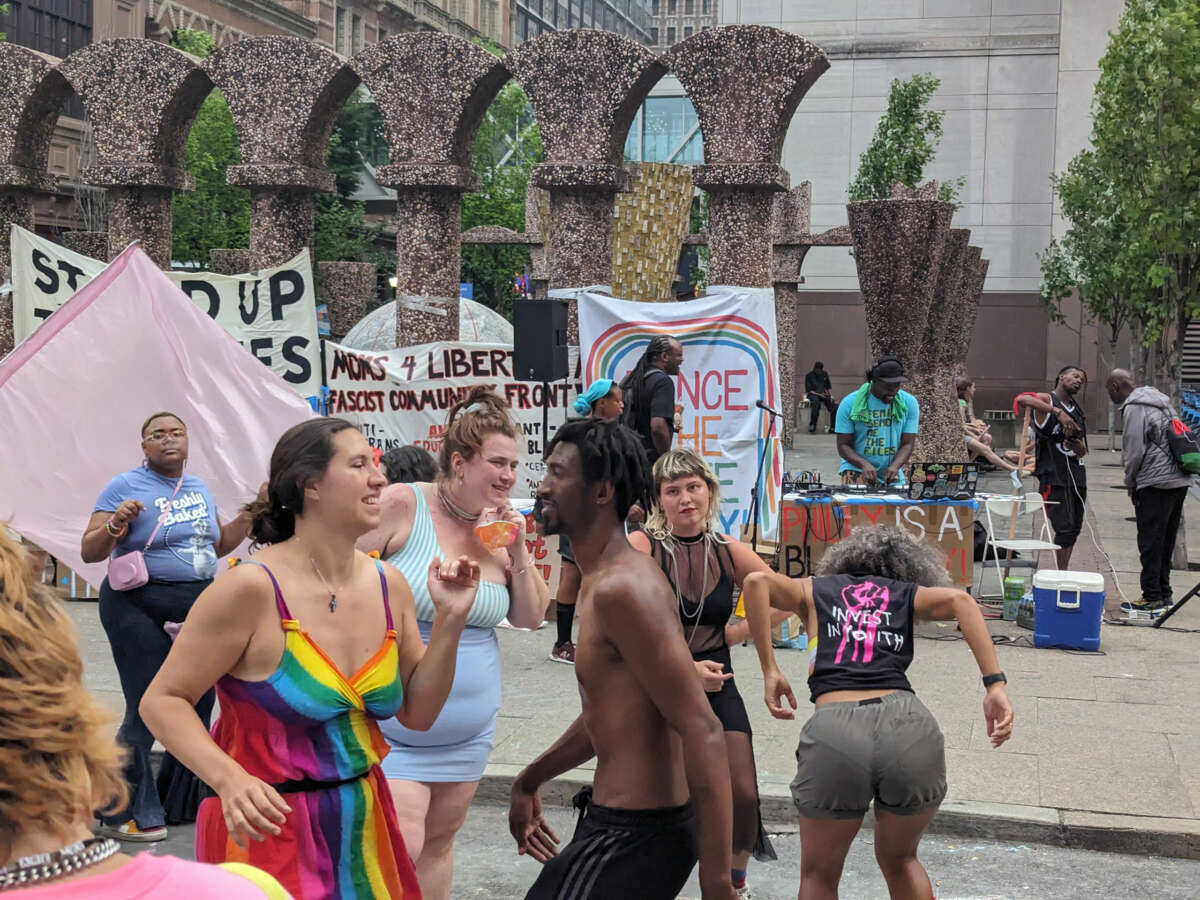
[1106,747]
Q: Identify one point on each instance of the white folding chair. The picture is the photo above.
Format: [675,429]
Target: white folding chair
[1040,538]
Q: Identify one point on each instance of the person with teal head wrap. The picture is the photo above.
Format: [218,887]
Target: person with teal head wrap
[877,427]
[603,399]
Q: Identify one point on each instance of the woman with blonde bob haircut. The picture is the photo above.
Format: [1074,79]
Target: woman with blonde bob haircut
[705,568]
[58,762]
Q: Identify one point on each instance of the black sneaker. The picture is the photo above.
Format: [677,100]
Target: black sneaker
[564,653]
[1143,609]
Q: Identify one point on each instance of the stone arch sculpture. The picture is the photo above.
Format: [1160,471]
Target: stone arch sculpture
[141,97]
[745,82]
[31,94]
[284,94]
[585,88]
[432,91]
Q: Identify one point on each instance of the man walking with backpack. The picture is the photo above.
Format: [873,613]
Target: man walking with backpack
[1156,481]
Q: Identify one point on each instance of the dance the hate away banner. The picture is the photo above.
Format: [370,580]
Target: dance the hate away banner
[730,360]
[271,313]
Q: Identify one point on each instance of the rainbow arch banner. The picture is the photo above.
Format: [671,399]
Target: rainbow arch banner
[730,360]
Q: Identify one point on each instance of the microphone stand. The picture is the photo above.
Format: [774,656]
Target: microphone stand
[755,499]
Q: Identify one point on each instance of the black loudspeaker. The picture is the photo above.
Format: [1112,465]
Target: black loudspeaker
[539,340]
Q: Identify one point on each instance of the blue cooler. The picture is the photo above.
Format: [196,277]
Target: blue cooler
[1069,607]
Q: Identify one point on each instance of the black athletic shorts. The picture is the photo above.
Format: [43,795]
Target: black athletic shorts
[1064,509]
[621,854]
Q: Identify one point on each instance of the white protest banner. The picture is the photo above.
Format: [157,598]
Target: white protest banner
[72,408]
[730,360]
[272,313]
[403,396]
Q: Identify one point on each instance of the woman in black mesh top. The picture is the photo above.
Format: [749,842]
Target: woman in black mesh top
[705,569]
[869,738]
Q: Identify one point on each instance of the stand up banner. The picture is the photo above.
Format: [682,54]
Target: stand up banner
[272,313]
[403,396]
[730,360]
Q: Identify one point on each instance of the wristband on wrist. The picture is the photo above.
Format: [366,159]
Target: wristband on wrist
[994,678]
[112,530]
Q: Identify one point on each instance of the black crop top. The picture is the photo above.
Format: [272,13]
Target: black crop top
[864,633]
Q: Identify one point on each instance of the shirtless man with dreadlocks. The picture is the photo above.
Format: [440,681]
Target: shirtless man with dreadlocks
[650,395]
[659,749]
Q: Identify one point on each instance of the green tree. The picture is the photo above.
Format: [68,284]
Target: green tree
[905,141]
[507,146]
[3,12]
[1146,134]
[340,229]
[214,214]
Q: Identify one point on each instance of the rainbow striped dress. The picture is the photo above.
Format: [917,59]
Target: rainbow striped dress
[311,731]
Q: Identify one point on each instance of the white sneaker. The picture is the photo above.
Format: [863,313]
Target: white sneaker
[130,832]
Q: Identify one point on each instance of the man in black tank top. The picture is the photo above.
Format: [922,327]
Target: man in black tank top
[1060,434]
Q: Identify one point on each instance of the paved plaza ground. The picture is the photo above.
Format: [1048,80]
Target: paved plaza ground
[1105,753]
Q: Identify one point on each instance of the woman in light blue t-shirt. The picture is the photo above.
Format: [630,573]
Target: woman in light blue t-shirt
[171,517]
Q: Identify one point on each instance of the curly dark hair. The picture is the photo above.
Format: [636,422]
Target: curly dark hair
[608,451]
[887,552]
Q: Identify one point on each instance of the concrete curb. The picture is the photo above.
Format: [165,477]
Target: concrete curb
[1074,829]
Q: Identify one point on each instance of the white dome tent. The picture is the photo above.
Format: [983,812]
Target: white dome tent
[477,324]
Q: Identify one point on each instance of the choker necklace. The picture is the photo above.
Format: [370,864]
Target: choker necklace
[65,861]
[694,539]
[454,509]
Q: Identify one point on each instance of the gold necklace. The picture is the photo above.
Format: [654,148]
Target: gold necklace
[332,595]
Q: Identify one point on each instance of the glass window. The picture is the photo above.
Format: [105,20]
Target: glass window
[671,35]
[689,7]
[706,6]
[687,31]
[654,8]
[339,31]
[671,7]
[356,34]
[654,36]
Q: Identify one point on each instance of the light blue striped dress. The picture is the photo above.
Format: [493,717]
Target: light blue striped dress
[457,747]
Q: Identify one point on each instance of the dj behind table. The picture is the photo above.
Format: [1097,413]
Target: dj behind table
[937,504]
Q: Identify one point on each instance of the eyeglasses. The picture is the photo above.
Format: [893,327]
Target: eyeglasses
[162,434]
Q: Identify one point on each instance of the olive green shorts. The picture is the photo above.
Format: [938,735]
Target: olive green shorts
[889,750]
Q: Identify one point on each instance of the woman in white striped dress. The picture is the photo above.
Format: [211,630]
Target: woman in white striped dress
[433,774]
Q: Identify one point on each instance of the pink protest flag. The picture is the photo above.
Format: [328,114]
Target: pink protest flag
[74,394]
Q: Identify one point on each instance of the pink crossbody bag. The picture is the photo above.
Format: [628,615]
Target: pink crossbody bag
[128,571]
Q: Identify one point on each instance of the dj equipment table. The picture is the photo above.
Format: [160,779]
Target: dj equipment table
[808,524]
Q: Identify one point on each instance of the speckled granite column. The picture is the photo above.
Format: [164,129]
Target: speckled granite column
[432,91]
[932,380]
[284,94]
[89,243]
[898,246]
[16,208]
[281,224]
[745,82]
[974,274]
[141,97]
[585,87]
[579,240]
[140,214]
[229,261]
[428,261]
[346,288]
[739,228]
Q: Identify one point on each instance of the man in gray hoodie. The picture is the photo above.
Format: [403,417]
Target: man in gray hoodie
[1155,483]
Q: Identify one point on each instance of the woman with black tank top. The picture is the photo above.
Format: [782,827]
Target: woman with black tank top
[705,568]
[869,737]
